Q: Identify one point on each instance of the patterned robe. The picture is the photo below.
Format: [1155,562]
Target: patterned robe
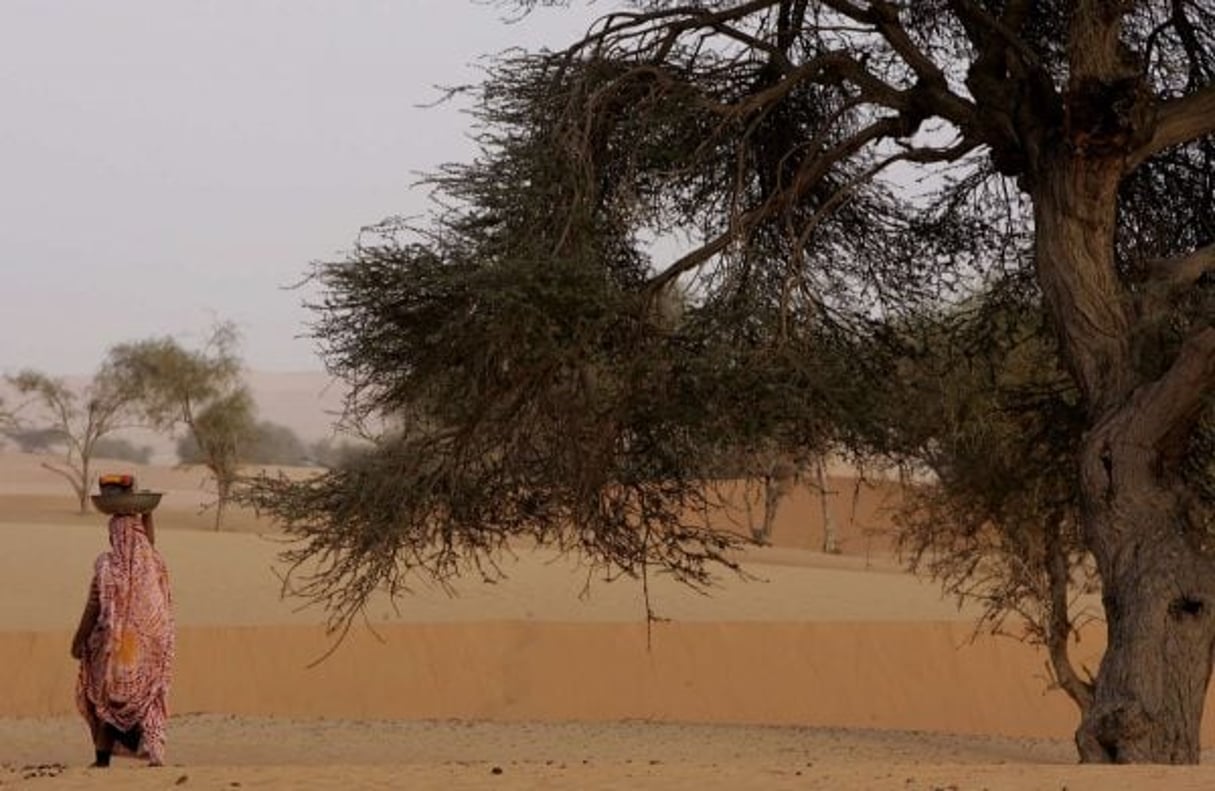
[125,671]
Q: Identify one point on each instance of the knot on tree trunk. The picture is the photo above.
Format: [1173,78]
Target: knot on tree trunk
[1108,118]
[1185,608]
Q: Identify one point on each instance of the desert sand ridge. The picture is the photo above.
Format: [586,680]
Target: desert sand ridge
[843,668]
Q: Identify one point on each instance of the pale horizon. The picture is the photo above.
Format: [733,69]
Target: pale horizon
[168,166]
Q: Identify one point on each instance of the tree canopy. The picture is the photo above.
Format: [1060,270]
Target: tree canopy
[265,442]
[818,178]
[76,421]
[202,390]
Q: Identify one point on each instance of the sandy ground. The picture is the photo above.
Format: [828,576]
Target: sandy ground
[817,672]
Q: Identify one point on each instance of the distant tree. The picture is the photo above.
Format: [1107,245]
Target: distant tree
[122,450]
[277,444]
[266,443]
[201,390]
[78,420]
[32,439]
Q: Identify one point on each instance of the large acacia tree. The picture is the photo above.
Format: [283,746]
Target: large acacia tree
[827,169]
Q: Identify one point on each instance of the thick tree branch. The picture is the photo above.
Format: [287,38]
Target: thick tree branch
[1095,47]
[932,91]
[1183,270]
[1159,407]
[810,173]
[1178,121]
[884,16]
[829,68]
[654,36]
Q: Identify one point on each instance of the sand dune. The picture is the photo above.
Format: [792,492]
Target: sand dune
[841,668]
[902,676]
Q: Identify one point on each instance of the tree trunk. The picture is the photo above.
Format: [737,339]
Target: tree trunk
[756,531]
[778,482]
[83,490]
[1157,579]
[831,542]
[1159,605]
[223,491]
[1158,593]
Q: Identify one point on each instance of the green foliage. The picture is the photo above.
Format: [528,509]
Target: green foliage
[263,443]
[173,382]
[220,428]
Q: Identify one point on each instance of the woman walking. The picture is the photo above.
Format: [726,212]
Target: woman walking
[125,645]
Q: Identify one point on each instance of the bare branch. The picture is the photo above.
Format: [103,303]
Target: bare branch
[72,476]
[920,155]
[673,22]
[887,22]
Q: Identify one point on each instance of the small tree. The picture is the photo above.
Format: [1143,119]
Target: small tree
[201,390]
[78,420]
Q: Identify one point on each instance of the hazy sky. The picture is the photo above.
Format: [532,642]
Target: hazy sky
[168,163]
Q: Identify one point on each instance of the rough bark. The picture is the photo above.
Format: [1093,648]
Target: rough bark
[1158,597]
[1158,584]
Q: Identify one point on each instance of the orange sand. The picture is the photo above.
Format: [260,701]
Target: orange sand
[840,668]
